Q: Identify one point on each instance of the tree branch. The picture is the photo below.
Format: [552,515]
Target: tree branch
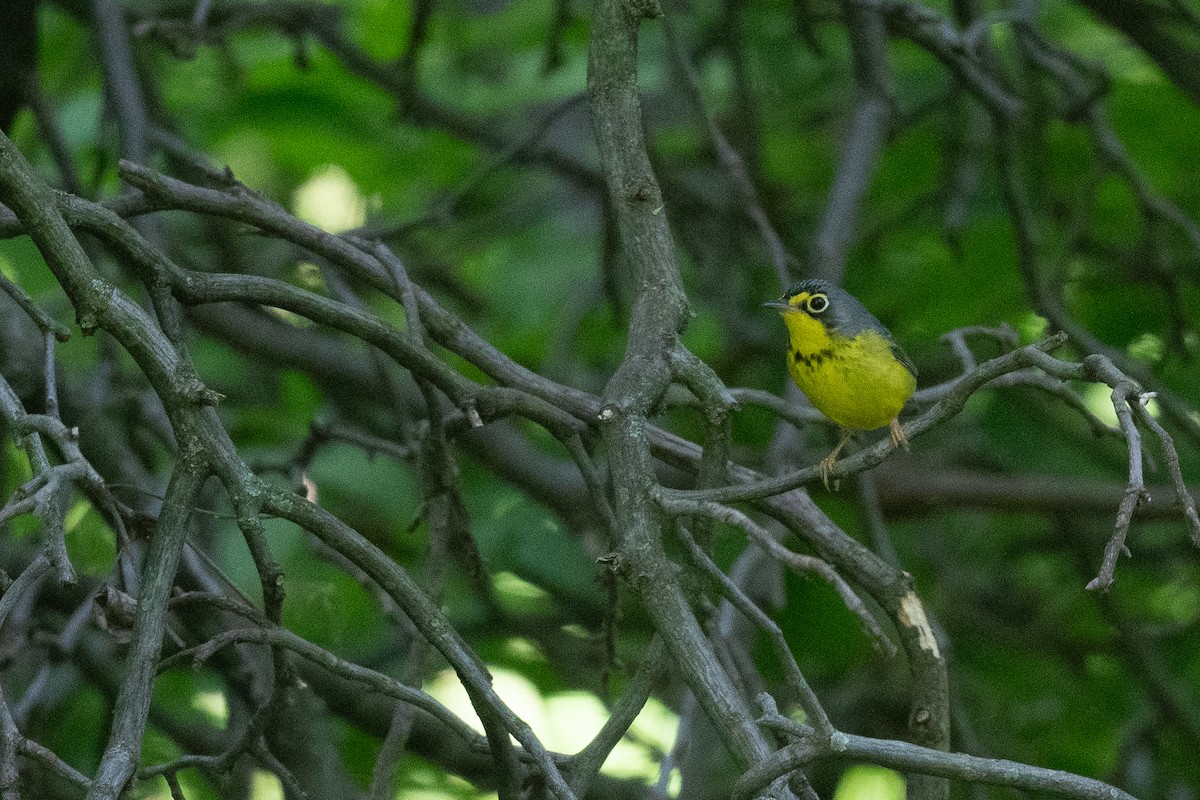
[911,758]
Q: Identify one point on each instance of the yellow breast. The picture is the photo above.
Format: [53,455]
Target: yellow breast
[856,382]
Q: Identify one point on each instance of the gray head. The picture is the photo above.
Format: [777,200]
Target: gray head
[832,305]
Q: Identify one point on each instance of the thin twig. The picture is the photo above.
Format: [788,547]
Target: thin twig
[585,765]
[729,158]
[425,615]
[796,681]
[281,637]
[1182,494]
[796,561]
[43,320]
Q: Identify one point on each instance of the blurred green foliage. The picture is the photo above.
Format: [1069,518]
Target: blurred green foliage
[1041,672]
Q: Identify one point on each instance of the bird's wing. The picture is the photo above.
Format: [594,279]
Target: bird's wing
[902,357]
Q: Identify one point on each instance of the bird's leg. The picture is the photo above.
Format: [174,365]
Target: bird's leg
[898,437]
[827,462]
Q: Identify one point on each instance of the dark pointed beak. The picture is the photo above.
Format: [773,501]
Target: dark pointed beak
[778,305]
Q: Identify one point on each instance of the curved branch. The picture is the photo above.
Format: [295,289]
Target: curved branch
[911,758]
[379,682]
[952,403]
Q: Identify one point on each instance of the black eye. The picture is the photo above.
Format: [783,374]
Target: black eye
[817,303]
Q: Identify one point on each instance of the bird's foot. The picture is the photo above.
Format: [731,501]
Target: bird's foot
[898,437]
[826,466]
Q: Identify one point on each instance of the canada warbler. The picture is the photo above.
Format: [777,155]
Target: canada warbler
[845,361]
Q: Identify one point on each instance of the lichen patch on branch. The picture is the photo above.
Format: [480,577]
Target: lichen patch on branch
[912,614]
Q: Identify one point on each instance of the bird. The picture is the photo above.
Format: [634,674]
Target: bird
[845,361]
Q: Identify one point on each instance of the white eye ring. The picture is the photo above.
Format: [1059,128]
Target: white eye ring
[817,303]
